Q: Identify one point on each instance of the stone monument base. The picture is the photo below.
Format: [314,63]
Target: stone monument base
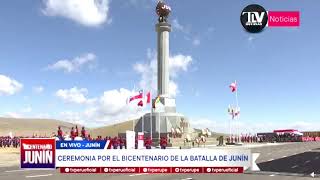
[167,122]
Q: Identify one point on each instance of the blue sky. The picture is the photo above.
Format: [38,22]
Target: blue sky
[57,61]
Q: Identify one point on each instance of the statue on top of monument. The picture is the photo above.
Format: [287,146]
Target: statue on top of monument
[163,10]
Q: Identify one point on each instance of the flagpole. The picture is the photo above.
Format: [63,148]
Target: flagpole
[143,116]
[237,118]
[133,125]
[151,123]
[230,130]
[143,123]
[134,89]
[151,116]
[230,119]
[159,128]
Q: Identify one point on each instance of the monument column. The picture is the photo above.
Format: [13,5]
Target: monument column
[163,29]
[165,118]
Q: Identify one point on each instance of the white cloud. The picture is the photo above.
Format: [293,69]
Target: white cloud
[73,65]
[186,31]
[85,12]
[26,109]
[178,63]
[12,115]
[110,107]
[74,95]
[38,89]
[177,26]
[72,117]
[148,71]
[9,86]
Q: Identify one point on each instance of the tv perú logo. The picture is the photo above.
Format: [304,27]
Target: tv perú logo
[254,18]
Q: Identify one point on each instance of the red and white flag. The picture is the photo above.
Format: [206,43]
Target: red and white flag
[233,87]
[143,99]
[234,111]
[146,100]
[140,103]
[148,96]
[138,96]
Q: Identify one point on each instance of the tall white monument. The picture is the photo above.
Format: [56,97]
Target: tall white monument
[163,122]
[163,29]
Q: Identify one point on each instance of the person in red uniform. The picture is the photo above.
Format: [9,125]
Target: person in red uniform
[76,131]
[115,143]
[89,138]
[148,142]
[121,143]
[163,143]
[72,133]
[60,134]
[83,132]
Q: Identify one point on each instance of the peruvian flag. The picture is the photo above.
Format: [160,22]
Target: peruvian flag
[233,87]
[145,100]
[148,96]
[138,96]
[140,103]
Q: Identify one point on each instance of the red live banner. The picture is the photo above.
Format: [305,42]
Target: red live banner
[283,18]
[153,170]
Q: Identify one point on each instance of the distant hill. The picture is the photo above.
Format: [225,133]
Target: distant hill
[28,127]
[42,127]
[112,130]
[213,134]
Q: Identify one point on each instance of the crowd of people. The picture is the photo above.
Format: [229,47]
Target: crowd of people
[9,141]
[274,137]
[119,142]
[116,142]
[309,138]
[243,139]
[268,138]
